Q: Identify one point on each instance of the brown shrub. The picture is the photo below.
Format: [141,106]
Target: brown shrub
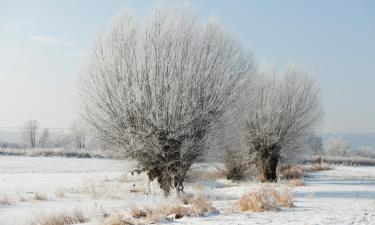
[61,219]
[296,182]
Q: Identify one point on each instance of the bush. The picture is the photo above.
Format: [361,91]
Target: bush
[265,200]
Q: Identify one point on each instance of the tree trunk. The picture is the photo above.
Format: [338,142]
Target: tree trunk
[267,165]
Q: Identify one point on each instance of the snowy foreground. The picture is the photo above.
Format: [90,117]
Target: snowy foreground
[344,195]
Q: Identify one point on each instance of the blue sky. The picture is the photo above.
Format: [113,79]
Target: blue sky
[43,44]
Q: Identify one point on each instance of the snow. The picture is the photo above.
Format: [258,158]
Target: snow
[343,195]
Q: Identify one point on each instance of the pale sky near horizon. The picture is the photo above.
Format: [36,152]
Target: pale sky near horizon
[43,44]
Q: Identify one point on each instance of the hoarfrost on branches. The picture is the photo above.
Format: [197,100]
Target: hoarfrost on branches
[156,88]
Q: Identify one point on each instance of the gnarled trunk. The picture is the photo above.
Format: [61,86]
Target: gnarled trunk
[267,162]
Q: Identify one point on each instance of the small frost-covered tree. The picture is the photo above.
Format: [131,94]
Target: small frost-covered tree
[337,146]
[78,134]
[282,112]
[315,144]
[155,88]
[30,130]
[43,138]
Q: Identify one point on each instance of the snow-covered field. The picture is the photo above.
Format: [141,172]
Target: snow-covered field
[344,195]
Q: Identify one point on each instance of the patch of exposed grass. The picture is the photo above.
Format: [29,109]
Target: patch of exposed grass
[299,171]
[60,193]
[75,217]
[4,200]
[296,182]
[265,200]
[117,219]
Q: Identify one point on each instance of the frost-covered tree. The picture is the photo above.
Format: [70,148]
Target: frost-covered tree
[282,112]
[43,139]
[315,144]
[337,146]
[30,130]
[155,88]
[78,134]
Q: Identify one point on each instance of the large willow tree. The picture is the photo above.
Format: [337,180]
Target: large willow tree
[155,87]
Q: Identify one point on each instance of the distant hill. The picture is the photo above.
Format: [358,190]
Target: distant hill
[355,139]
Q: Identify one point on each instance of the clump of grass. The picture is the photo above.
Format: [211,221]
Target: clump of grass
[201,206]
[39,196]
[117,220]
[197,187]
[195,206]
[218,173]
[166,212]
[4,200]
[75,217]
[138,213]
[136,189]
[292,172]
[265,200]
[255,201]
[23,199]
[296,182]
[316,167]
[283,197]
[299,171]
[60,193]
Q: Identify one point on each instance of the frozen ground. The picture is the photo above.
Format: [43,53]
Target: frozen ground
[344,195]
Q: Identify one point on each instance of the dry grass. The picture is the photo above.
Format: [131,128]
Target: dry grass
[124,178]
[283,197]
[4,200]
[60,193]
[299,171]
[194,206]
[315,167]
[138,213]
[23,199]
[117,220]
[197,187]
[39,196]
[200,206]
[265,200]
[216,174]
[255,201]
[296,182]
[292,172]
[166,212]
[61,219]
[136,189]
